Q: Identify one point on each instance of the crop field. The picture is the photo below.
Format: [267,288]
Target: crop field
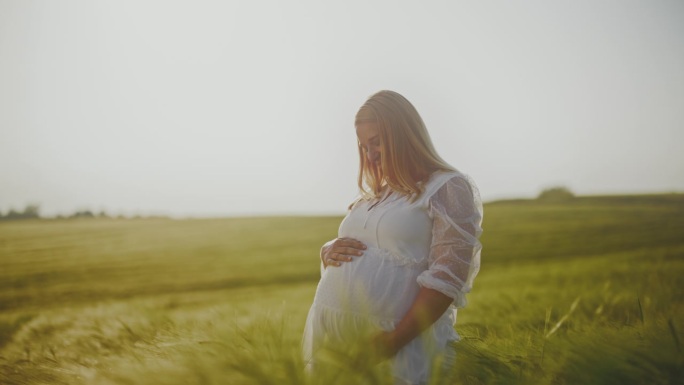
[588,291]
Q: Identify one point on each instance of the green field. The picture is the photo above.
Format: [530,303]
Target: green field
[589,291]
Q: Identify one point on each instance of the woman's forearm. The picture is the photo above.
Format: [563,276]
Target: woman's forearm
[428,306]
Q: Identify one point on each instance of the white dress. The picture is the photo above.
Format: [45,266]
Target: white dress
[431,242]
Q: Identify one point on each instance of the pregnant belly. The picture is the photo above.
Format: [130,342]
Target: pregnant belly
[377,284]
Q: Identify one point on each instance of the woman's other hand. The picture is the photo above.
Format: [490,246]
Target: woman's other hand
[382,346]
[340,250]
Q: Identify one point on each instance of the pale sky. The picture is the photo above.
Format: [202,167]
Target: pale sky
[211,108]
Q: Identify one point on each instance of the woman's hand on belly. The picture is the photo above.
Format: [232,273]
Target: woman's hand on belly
[341,250]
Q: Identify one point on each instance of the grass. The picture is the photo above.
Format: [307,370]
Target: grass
[588,291]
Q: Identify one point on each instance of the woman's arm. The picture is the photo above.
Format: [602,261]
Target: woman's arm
[428,306]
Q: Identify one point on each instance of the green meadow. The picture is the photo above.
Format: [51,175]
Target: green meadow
[586,291]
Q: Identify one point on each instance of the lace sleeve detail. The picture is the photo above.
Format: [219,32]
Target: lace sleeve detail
[454,259]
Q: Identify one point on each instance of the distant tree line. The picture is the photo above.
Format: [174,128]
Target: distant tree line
[32,211]
[556,194]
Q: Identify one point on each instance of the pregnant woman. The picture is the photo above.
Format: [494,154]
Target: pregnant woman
[406,253]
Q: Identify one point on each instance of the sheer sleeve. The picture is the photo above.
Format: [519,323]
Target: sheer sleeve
[454,259]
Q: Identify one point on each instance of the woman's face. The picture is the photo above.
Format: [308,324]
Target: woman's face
[369,140]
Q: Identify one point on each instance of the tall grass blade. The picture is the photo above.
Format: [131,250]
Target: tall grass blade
[546,327]
[674,334]
[564,318]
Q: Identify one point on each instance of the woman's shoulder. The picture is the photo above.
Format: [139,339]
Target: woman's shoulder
[447,179]
[441,177]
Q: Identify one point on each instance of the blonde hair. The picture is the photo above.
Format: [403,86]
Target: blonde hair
[408,157]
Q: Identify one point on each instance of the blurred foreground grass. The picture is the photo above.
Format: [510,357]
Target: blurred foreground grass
[589,291]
